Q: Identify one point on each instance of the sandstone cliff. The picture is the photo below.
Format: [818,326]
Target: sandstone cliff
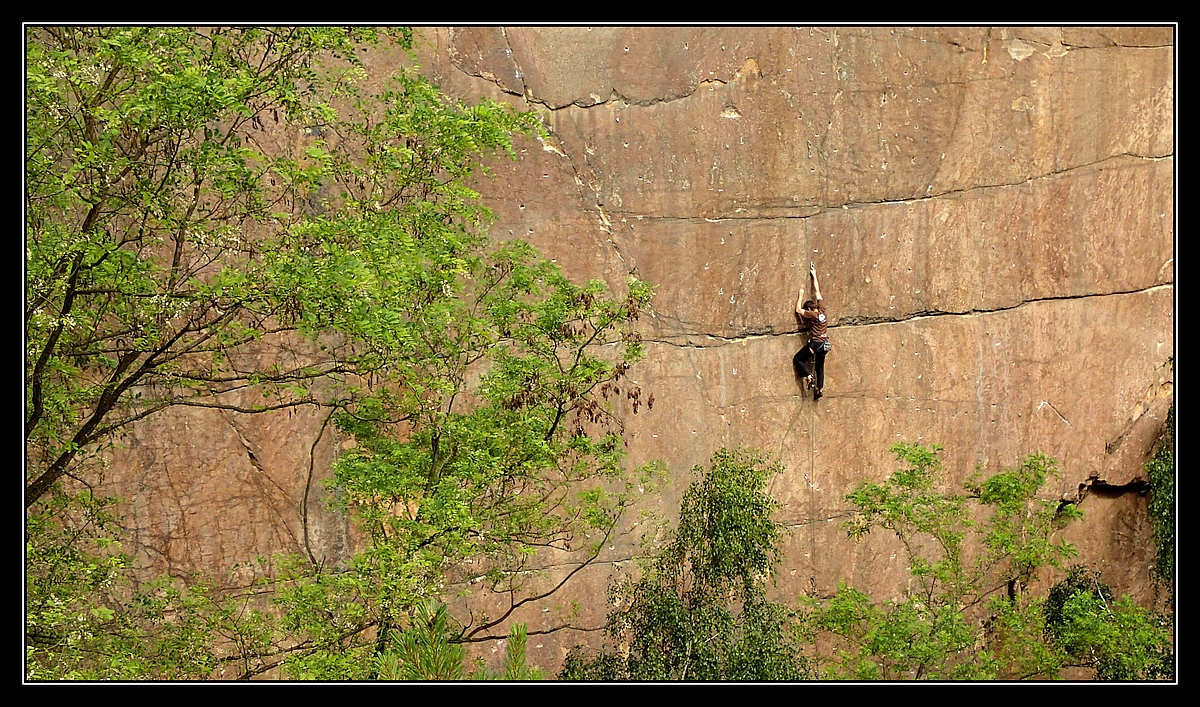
[991,212]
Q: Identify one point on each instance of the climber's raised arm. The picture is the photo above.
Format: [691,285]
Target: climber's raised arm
[812,270]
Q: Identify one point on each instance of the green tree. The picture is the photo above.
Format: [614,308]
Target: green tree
[427,651]
[424,650]
[468,483]
[1114,637]
[1160,474]
[700,612]
[166,244]
[151,215]
[967,615]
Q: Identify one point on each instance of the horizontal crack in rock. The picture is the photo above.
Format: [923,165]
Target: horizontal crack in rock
[867,321]
[825,208]
[750,65]
[799,522]
[1112,45]
[858,321]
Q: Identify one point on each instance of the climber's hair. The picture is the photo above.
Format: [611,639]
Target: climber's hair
[809,304]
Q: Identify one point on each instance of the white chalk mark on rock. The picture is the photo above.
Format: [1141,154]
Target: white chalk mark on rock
[1047,403]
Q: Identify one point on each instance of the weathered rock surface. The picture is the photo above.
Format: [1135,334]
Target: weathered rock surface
[991,213]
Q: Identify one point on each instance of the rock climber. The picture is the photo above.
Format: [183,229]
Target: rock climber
[812,317]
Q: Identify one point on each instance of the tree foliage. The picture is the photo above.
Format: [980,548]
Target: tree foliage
[83,620]
[967,614]
[195,197]
[1160,473]
[461,482]
[700,611]
[145,189]
[1116,638]
[426,651]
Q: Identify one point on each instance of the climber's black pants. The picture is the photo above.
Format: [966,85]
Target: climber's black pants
[806,356]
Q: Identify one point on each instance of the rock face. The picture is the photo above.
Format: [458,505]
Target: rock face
[991,214]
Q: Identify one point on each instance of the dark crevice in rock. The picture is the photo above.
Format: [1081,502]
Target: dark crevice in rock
[312,456]
[1139,484]
[254,462]
[1104,489]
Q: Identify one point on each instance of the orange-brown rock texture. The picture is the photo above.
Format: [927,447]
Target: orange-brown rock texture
[991,214]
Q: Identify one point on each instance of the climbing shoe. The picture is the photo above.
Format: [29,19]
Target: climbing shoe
[817,394]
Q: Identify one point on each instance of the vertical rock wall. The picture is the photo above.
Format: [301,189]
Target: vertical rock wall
[990,211]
